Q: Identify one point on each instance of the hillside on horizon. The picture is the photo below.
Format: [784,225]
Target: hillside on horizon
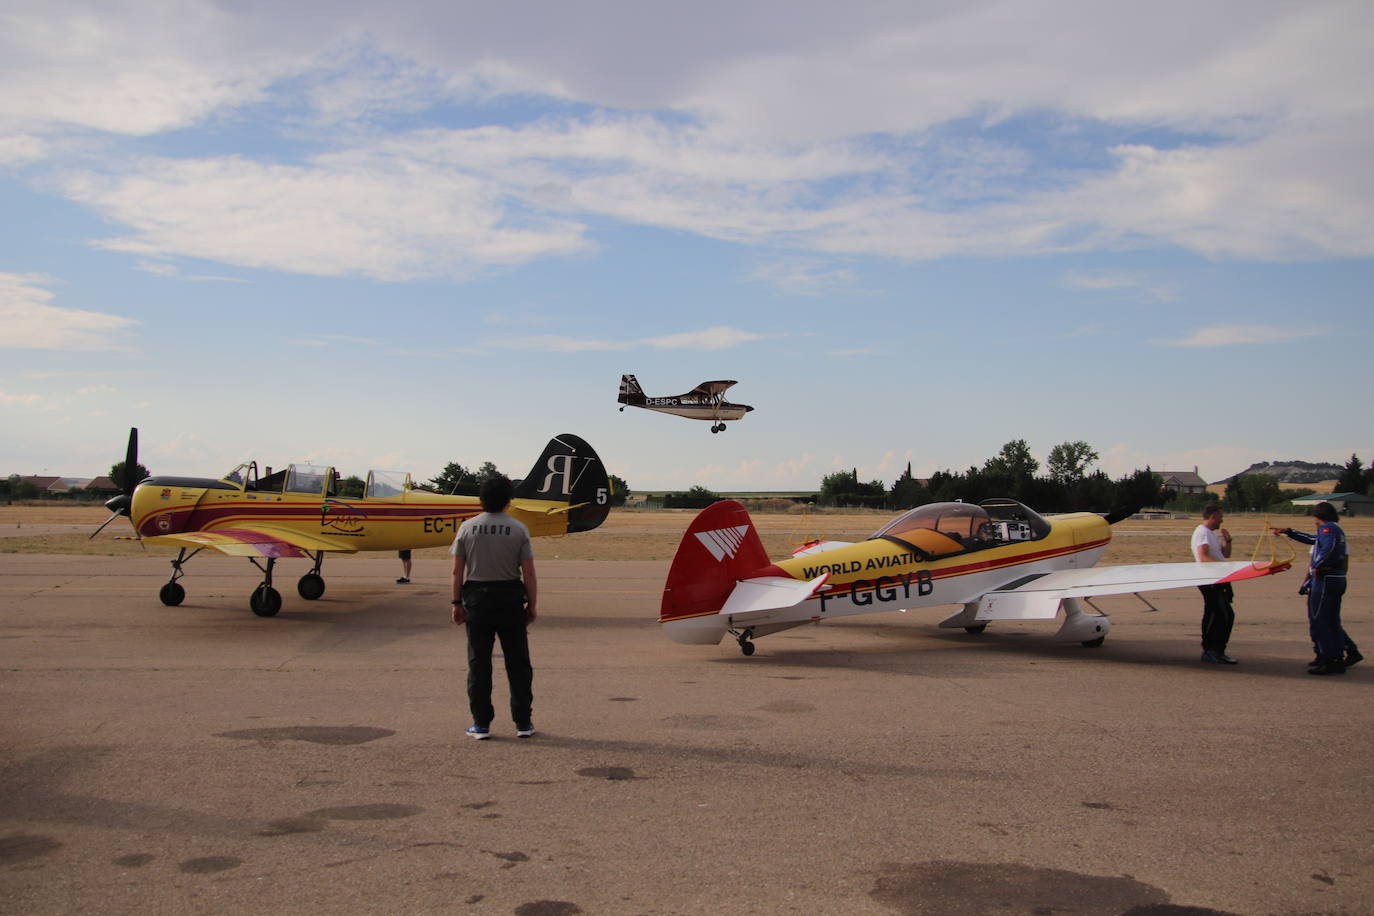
[1307,472]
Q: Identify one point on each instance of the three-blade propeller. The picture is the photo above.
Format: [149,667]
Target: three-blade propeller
[128,479]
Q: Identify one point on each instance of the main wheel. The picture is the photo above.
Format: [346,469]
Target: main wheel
[172,594]
[976,628]
[311,586]
[1094,643]
[266,601]
[747,648]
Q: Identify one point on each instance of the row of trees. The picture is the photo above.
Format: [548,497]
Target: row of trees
[1066,485]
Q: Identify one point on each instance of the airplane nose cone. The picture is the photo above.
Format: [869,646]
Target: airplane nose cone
[118,504]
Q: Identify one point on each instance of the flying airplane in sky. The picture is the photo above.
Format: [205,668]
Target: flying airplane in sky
[999,561]
[297,512]
[704,402]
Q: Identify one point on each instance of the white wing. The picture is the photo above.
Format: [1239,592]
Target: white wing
[1039,597]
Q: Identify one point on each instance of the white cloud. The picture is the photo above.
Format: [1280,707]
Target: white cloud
[1227,335]
[31,323]
[21,149]
[388,221]
[1137,285]
[878,129]
[718,338]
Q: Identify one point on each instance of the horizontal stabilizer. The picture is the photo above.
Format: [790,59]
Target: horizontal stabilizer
[769,593]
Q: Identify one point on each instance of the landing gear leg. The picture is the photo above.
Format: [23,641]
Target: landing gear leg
[745,639]
[173,593]
[311,586]
[266,600]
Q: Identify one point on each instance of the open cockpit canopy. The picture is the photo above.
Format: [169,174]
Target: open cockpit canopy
[938,529]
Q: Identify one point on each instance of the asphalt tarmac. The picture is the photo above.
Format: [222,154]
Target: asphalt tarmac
[200,759]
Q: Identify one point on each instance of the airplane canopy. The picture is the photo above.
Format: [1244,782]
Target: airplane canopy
[386,483]
[308,478]
[996,521]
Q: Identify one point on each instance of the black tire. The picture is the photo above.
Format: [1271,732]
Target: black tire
[266,601]
[1094,643]
[172,594]
[747,648]
[311,586]
[976,628]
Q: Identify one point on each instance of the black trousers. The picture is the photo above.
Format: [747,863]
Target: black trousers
[496,610]
[1217,616]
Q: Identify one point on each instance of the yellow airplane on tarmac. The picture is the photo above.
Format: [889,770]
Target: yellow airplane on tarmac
[999,560]
[297,512]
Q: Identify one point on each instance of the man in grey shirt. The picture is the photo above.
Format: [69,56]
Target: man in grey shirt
[495,597]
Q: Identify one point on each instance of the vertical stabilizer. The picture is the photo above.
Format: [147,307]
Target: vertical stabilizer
[570,471]
[630,392]
[720,547]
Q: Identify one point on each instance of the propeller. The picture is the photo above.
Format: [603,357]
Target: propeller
[1114,516]
[119,505]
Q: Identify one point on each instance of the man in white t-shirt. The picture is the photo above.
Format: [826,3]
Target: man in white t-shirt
[1212,544]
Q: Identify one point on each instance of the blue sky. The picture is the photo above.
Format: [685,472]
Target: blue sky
[399,235]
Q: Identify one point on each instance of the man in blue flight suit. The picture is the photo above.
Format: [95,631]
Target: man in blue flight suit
[1324,587]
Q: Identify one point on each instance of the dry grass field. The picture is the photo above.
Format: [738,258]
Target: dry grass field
[633,534]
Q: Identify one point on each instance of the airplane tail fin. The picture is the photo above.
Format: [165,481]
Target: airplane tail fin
[630,392]
[570,471]
[720,547]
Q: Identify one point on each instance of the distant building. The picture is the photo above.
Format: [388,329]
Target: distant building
[1344,503]
[1182,481]
[44,484]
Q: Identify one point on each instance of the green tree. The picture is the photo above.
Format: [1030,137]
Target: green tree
[486,472]
[117,475]
[843,489]
[1068,462]
[907,492]
[455,479]
[620,490]
[1249,492]
[696,498]
[1014,461]
[1352,479]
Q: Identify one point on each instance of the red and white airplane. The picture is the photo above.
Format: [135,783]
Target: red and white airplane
[997,561]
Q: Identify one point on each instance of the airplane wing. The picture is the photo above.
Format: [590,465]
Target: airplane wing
[1038,597]
[710,389]
[250,540]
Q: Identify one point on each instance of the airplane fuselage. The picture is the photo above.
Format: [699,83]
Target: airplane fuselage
[702,409]
[413,519]
[880,574]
